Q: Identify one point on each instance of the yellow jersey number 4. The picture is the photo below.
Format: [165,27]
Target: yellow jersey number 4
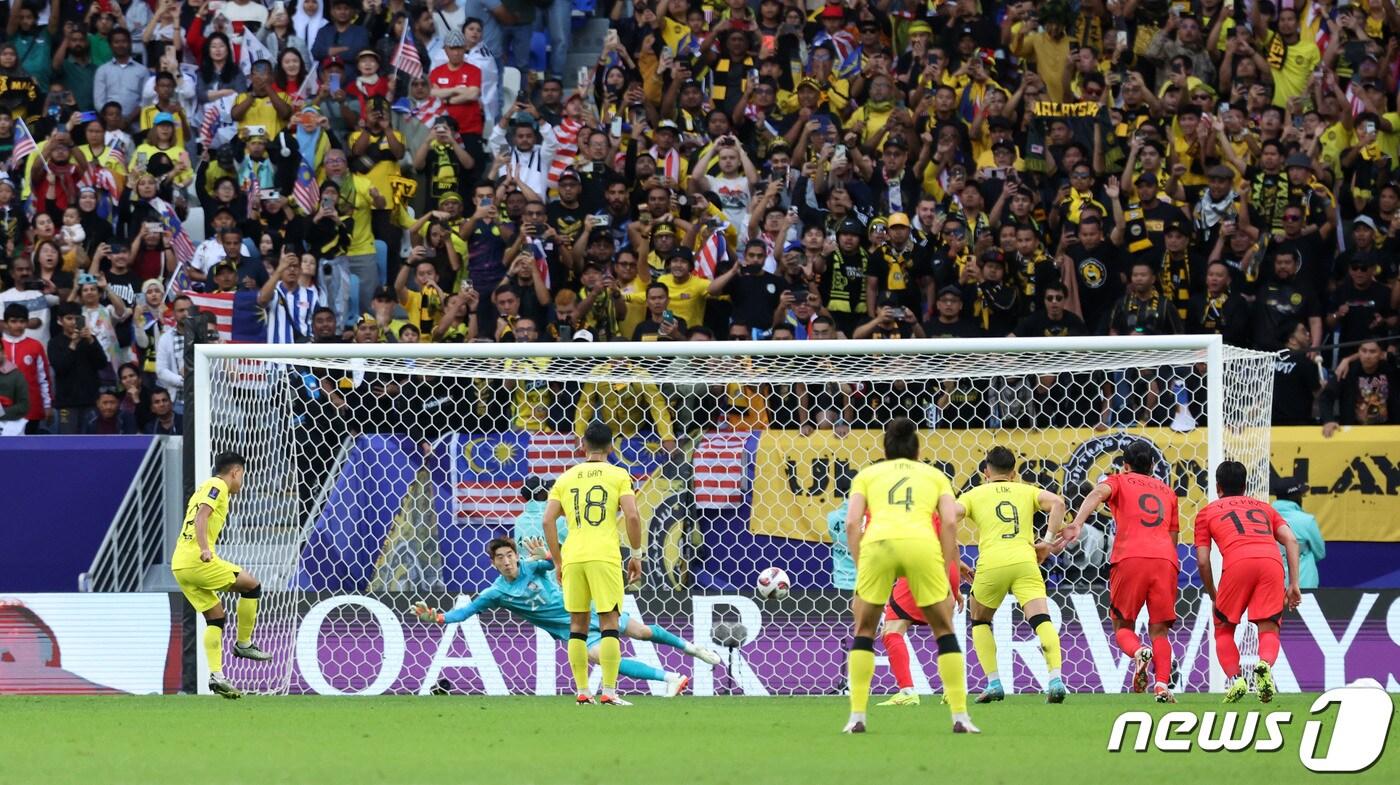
[907,499]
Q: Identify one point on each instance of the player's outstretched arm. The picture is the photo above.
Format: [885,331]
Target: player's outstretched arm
[1284,535]
[1053,505]
[949,514]
[552,510]
[426,613]
[633,520]
[855,525]
[1099,495]
[430,615]
[535,548]
[201,532]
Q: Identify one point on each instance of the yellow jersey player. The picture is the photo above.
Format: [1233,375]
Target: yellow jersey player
[589,496]
[1008,562]
[895,538]
[201,574]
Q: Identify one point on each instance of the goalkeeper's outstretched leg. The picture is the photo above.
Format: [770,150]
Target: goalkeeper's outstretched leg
[655,633]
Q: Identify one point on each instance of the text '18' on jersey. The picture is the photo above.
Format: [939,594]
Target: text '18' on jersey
[591,494]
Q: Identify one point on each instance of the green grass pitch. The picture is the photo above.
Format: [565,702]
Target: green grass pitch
[189,740]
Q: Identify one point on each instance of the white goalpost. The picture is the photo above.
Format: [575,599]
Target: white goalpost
[377,473]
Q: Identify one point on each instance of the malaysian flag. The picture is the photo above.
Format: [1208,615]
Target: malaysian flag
[24,143]
[179,239]
[541,261]
[723,465]
[304,189]
[406,56]
[711,254]
[209,125]
[101,178]
[429,110]
[567,134]
[254,190]
[236,316]
[218,303]
[118,154]
[487,471]
[670,163]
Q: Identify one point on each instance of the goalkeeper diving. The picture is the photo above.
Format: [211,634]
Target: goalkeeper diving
[528,590]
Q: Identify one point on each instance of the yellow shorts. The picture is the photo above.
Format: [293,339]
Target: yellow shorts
[990,586]
[202,584]
[592,584]
[920,561]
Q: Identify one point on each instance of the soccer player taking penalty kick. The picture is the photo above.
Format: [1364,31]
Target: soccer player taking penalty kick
[896,539]
[1008,562]
[589,496]
[201,574]
[1248,533]
[525,589]
[1143,568]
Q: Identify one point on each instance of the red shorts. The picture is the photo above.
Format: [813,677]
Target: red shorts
[1135,581]
[1256,584]
[902,606]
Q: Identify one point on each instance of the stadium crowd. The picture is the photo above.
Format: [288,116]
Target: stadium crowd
[369,171]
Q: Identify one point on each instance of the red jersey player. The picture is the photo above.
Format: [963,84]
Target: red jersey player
[1248,533]
[901,612]
[1144,563]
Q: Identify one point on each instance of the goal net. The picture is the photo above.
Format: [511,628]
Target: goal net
[378,473]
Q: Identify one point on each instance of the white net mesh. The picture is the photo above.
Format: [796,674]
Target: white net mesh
[374,481]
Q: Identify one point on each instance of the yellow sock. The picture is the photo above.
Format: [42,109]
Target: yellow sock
[861,666]
[1049,644]
[610,658]
[952,670]
[247,615]
[214,648]
[986,646]
[578,663]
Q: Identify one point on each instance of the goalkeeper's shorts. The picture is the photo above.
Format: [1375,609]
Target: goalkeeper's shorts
[202,583]
[917,559]
[991,585]
[592,584]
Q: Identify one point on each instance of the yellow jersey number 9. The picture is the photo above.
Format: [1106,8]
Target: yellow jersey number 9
[1006,511]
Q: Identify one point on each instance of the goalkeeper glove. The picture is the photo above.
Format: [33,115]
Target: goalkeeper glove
[426,614]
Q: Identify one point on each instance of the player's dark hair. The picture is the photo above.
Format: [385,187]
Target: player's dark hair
[534,489]
[225,461]
[598,436]
[499,543]
[1001,460]
[1139,457]
[901,439]
[1230,478]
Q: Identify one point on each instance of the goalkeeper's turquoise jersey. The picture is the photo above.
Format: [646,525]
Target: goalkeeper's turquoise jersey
[843,568]
[533,596]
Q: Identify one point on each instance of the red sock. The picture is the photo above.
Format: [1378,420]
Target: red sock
[1162,659]
[1226,651]
[1268,646]
[1128,640]
[898,651]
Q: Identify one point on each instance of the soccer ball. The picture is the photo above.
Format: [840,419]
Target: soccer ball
[773,584]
